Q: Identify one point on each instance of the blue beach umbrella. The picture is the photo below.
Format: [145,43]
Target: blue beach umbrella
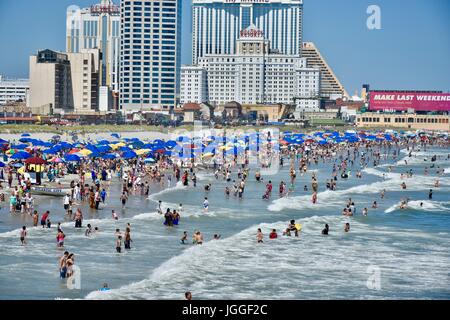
[108,156]
[21,155]
[72,157]
[19,146]
[2,164]
[129,155]
[25,134]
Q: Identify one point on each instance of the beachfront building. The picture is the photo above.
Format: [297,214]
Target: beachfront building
[12,90]
[85,74]
[65,82]
[50,83]
[254,75]
[404,121]
[98,27]
[217,24]
[330,86]
[149,55]
[193,80]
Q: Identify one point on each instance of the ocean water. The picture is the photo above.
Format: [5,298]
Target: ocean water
[406,251]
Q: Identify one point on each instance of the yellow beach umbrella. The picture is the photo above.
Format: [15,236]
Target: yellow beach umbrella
[142,151]
[85,152]
[208,155]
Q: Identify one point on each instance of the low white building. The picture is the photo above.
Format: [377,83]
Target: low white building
[254,75]
[12,90]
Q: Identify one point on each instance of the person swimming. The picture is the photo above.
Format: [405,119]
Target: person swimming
[325,230]
[273,234]
[347,227]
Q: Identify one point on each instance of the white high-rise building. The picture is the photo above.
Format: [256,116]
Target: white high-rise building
[255,75]
[217,24]
[97,27]
[12,90]
[193,80]
[150,54]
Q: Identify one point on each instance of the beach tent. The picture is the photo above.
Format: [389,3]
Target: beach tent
[35,160]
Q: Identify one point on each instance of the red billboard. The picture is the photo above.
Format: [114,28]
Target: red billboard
[399,101]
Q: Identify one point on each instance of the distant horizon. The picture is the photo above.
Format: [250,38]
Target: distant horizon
[410,52]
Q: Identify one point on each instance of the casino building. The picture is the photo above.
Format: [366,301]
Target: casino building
[256,74]
[216,25]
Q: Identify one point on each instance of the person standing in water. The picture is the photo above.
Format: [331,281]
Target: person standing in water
[430,194]
[119,244]
[35,218]
[23,235]
[124,199]
[63,265]
[184,237]
[127,240]
[259,236]
[205,204]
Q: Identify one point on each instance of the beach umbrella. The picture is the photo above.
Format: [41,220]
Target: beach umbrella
[142,151]
[57,160]
[35,160]
[103,148]
[72,157]
[129,155]
[85,152]
[19,146]
[125,149]
[102,142]
[108,156]
[21,155]
[94,155]
[149,160]
[2,164]
[25,134]
[115,135]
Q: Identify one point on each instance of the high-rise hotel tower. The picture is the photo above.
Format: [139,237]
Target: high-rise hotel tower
[149,54]
[217,24]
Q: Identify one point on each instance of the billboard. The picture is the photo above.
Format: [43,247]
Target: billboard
[402,101]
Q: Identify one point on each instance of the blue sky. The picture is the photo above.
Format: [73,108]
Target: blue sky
[411,51]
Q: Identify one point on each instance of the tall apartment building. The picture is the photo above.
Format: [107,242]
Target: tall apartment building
[51,82]
[85,75]
[149,54]
[329,83]
[12,90]
[65,82]
[98,27]
[255,75]
[217,24]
